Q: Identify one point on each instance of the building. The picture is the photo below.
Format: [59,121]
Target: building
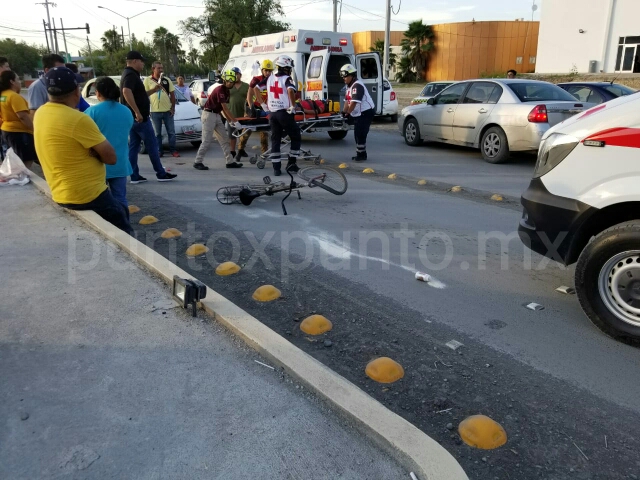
[605,37]
[471,49]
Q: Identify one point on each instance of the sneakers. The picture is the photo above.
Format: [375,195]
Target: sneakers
[138,180]
[234,165]
[167,177]
[175,154]
[292,165]
[200,166]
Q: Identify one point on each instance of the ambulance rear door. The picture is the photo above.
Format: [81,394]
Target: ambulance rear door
[316,86]
[370,74]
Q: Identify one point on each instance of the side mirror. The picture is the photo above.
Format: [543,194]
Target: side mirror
[431,101]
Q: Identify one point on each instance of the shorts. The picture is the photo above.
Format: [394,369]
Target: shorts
[23,145]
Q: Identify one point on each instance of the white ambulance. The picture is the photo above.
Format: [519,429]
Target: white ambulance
[317,57]
[583,205]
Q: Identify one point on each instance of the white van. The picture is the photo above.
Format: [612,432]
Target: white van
[317,57]
[583,204]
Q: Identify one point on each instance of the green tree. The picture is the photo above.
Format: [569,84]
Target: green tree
[225,23]
[23,58]
[167,47]
[405,72]
[111,41]
[416,45]
[378,46]
[193,56]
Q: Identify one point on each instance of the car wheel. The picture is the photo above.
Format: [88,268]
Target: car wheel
[411,132]
[196,143]
[337,134]
[607,281]
[494,146]
[394,118]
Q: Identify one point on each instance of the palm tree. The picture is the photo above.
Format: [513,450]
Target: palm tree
[378,46]
[193,56]
[416,44]
[111,41]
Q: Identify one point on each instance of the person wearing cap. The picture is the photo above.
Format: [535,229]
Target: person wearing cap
[163,106]
[37,94]
[237,101]
[359,109]
[73,153]
[212,124]
[136,97]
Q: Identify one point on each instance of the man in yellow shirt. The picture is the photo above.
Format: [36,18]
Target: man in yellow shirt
[73,152]
[163,106]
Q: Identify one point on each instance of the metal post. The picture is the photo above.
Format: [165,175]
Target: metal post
[335,15]
[91,56]
[46,4]
[46,37]
[122,35]
[130,40]
[55,36]
[67,57]
[387,40]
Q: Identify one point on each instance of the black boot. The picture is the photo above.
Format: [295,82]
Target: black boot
[233,154]
[360,156]
[292,165]
[276,169]
[242,153]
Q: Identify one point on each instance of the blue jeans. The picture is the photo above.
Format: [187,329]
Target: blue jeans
[157,118]
[118,187]
[108,208]
[144,132]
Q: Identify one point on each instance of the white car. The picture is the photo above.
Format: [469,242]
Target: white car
[199,88]
[187,118]
[582,206]
[389,101]
[495,116]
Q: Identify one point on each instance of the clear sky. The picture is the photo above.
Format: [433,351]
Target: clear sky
[355,15]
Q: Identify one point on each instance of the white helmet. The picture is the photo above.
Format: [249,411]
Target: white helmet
[284,61]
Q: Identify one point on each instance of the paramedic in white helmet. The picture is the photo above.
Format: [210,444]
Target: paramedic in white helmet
[281,103]
[358,108]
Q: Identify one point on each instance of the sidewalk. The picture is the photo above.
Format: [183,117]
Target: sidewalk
[97,382]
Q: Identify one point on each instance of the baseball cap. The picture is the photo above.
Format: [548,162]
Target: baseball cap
[134,55]
[61,80]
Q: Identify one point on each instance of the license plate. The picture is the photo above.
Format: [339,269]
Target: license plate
[189,129]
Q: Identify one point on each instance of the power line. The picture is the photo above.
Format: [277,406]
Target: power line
[374,14]
[91,13]
[19,29]
[166,4]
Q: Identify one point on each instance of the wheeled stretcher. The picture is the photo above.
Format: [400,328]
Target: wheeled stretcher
[308,123]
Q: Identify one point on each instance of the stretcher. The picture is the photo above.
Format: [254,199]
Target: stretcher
[308,121]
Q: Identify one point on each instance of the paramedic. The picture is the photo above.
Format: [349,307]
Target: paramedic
[256,98]
[358,108]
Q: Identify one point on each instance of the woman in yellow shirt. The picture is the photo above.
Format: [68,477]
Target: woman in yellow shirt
[17,126]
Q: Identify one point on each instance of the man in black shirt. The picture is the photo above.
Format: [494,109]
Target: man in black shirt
[134,96]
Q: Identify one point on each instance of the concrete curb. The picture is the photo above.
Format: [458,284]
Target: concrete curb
[410,446]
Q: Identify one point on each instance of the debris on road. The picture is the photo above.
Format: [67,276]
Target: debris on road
[574,444]
[423,277]
[454,344]
[264,365]
[534,306]
[566,290]
[413,476]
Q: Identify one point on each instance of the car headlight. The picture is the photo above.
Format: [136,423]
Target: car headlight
[552,151]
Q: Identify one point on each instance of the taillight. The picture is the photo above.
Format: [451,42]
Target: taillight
[308,41]
[393,96]
[538,114]
[343,42]
[203,94]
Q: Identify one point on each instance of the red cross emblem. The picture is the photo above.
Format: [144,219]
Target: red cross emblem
[276,90]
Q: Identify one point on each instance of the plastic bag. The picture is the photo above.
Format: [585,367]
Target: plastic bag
[13,170]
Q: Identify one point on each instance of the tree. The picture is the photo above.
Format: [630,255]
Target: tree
[167,46]
[378,46]
[193,56]
[416,44]
[225,23]
[23,58]
[111,41]
[405,73]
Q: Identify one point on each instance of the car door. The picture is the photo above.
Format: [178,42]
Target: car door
[316,86]
[370,74]
[473,111]
[438,114]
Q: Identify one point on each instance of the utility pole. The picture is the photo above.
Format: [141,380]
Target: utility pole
[67,57]
[55,36]
[46,37]
[91,56]
[335,15]
[46,3]
[122,31]
[387,40]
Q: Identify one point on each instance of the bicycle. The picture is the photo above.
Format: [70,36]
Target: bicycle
[327,178]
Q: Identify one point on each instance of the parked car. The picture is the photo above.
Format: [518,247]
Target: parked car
[582,206]
[596,92]
[199,89]
[389,101]
[187,118]
[431,89]
[496,116]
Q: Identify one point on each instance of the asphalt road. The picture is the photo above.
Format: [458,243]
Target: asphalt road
[566,394]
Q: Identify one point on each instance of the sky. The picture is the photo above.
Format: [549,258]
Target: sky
[355,16]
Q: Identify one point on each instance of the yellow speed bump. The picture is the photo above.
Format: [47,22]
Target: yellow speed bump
[133,209]
[393,176]
[196,249]
[384,370]
[322,161]
[480,431]
[227,268]
[343,165]
[456,189]
[496,198]
[315,325]
[171,233]
[422,182]
[266,293]
[148,220]
[368,170]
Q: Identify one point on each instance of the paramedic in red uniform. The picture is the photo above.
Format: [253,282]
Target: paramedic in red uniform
[281,103]
[257,98]
[358,108]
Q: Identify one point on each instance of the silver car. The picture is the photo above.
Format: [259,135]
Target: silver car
[199,89]
[496,116]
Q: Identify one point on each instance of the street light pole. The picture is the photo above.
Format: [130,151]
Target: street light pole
[127,19]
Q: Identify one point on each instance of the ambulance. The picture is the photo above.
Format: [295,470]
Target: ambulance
[317,57]
[583,205]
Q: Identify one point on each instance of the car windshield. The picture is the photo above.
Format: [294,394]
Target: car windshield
[540,92]
[619,90]
[432,89]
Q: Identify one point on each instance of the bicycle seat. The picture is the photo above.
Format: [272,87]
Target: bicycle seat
[247,196]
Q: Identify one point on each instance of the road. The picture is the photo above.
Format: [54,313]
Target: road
[566,394]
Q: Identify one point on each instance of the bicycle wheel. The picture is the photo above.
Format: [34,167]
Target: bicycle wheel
[231,194]
[326,178]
